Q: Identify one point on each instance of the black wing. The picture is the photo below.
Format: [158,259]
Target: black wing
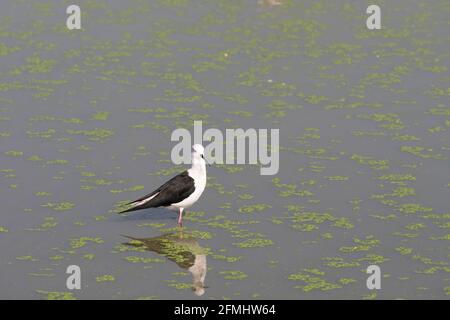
[173,191]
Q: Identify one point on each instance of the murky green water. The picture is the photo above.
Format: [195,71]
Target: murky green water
[364,118]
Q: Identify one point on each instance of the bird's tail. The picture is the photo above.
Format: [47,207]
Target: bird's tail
[137,207]
[128,210]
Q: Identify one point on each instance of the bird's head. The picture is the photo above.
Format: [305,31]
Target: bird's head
[198,148]
[198,153]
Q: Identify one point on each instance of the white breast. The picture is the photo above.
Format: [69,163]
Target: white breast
[199,177]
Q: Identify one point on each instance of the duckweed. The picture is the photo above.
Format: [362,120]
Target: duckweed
[105,278]
[233,275]
[57,295]
[254,243]
[81,242]
[312,282]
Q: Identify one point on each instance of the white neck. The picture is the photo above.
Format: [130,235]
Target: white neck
[198,271]
[198,164]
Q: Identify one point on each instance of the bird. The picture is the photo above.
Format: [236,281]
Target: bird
[180,192]
[184,250]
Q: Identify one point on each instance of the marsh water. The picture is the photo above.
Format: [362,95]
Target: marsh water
[364,179]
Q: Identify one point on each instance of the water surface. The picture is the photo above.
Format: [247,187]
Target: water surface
[364,119]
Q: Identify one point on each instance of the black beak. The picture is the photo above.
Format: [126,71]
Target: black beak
[206,161]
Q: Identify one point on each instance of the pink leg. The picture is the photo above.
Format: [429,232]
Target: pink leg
[180,218]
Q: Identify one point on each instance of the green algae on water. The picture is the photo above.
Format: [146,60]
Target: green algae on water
[233,275]
[105,278]
[57,295]
[83,241]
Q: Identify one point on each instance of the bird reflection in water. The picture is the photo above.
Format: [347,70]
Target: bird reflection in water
[181,248]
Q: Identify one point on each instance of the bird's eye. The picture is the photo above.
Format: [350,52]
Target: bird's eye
[202,156]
